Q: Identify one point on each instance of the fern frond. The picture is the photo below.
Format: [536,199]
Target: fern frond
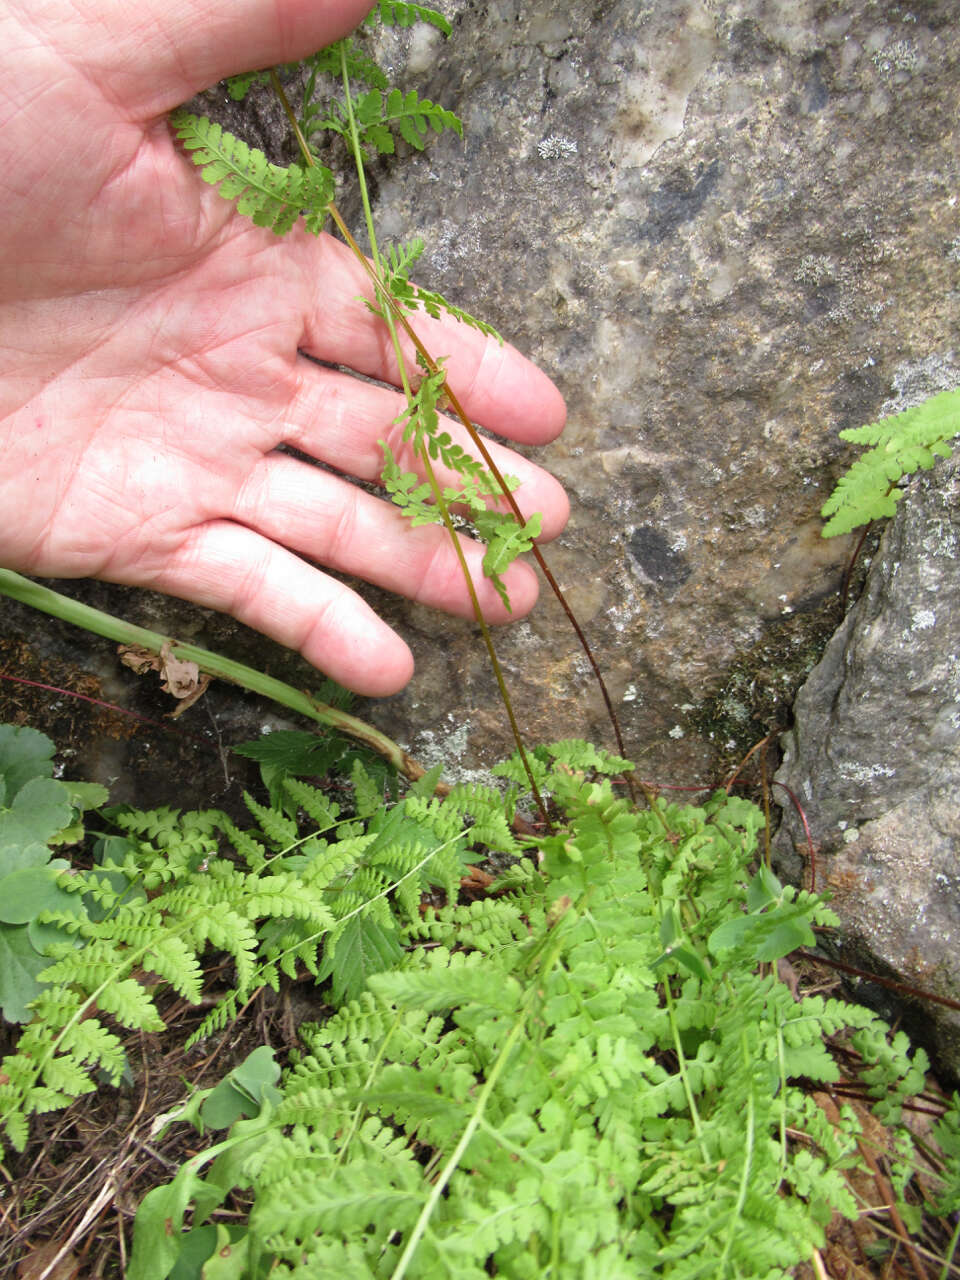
[240,85]
[130,1004]
[90,1042]
[271,196]
[408,114]
[400,13]
[368,795]
[280,830]
[253,852]
[902,444]
[414,297]
[397,262]
[321,810]
[491,813]
[412,495]
[171,959]
[402,257]
[222,1013]
[575,753]
[360,68]
[68,1076]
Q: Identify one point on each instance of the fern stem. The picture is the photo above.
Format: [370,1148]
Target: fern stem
[488,460]
[390,314]
[214,664]
[393,314]
[747,1166]
[357,151]
[682,1068]
[488,642]
[426,1213]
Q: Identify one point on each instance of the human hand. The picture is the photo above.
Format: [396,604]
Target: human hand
[151,346]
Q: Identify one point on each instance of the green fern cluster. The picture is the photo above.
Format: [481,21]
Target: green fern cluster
[307,887]
[590,1073]
[901,445]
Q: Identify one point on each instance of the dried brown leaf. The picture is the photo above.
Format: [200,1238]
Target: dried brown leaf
[37,1265]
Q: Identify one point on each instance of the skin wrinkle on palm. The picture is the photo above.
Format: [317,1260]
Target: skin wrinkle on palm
[153,354]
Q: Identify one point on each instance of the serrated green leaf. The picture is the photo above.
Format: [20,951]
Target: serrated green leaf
[363,948]
[292,750]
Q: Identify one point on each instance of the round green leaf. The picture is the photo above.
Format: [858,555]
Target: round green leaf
[26,892]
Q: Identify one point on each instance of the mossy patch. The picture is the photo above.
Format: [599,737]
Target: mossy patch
[757,693]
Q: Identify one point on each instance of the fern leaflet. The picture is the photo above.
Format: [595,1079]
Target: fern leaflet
[402,14]
[273,197]
[902,444]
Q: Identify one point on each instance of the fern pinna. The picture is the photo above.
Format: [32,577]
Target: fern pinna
[590,1074]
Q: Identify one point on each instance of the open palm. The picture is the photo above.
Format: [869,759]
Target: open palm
[152,350]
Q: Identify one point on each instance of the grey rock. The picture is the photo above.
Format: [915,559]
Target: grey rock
[722,229]
[874,759]
[728,229]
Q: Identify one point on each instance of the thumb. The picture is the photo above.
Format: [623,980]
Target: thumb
[165,53]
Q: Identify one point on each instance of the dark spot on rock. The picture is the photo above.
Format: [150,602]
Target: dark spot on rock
[750,47]
[858,396]
[677,201]
[820,303]
[656,559]
[815,92]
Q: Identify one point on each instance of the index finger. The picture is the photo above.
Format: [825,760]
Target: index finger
[497,386]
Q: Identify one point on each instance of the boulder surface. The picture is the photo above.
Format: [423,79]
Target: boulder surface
[874,760]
